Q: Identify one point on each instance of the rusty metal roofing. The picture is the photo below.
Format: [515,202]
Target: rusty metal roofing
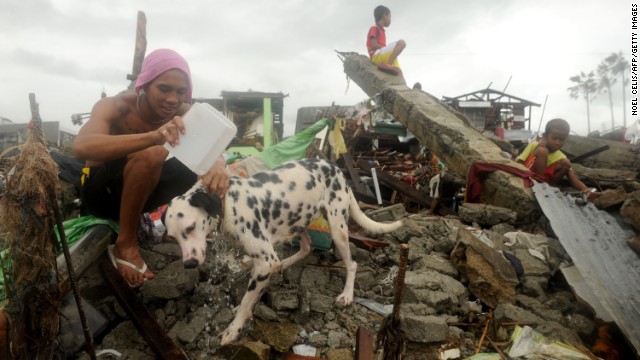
[598,247]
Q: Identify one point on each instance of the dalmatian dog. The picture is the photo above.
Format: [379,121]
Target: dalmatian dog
[264,210]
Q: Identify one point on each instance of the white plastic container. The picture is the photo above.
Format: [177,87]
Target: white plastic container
[208,133]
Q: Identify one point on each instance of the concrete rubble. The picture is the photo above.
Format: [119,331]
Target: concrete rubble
[456,274]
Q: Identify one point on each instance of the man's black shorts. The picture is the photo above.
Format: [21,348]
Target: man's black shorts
[102,187]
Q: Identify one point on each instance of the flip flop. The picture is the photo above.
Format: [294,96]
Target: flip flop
[115,261]
[389,69]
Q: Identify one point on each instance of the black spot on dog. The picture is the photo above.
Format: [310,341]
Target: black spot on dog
[286,205]
[255,229]
[184,236]
[255,184]
[280,222]
[248,225]
[235,195]
[344,212]
[336,186]
[311,184]
[194,252]
[252,201]
[252,285]
[289,165]
[273,231]
[263,277]
[267,178]
[256,214]
[292,186]
[180,215]
[275,212]
[332,196]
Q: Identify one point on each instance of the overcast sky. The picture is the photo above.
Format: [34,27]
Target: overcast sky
[68,51]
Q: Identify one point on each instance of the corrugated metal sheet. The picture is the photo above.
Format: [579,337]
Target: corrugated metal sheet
[598,247]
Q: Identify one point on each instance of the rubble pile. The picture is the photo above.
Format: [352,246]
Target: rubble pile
[457,282]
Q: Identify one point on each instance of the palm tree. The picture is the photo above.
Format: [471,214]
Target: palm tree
[619,65]
[585,84]
[605,81]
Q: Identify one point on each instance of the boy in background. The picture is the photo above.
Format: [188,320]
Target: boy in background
[381,54]
[545,158]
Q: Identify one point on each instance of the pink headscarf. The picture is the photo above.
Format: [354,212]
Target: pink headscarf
[159,61]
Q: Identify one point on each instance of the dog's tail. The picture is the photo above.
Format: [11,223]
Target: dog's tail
[363,220]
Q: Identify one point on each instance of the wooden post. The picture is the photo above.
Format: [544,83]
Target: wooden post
[140,49]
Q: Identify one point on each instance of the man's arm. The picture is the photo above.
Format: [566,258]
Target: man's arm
[94,140]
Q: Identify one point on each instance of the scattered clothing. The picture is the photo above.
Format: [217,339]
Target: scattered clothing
[478,172]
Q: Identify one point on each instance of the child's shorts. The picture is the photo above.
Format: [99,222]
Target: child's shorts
[381,56]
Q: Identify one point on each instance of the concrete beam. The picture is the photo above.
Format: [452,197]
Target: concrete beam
[444,132]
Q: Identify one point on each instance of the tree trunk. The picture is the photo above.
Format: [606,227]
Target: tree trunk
[586,95]
[613,122]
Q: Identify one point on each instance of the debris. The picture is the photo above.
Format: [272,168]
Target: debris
[391,337]
[491,277]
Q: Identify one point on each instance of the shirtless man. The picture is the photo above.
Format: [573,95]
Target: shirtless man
[126,173]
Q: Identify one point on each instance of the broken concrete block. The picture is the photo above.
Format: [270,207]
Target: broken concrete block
[434,289]
[538,308]
[339,354]
[630,209]
[389,213]
[250,350]
[535,286]
[485,214]
[283,299]
[513,314]
[280,336]
[424,329]
[531,264]
[611,197]
[173,282]
[262,311]
[491,277]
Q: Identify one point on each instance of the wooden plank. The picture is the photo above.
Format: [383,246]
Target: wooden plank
[355,177]
[144,321]
[84,253]
[140,48]
[415,195]
[364,242]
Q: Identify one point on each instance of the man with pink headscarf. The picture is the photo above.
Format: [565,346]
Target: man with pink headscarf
[126,169]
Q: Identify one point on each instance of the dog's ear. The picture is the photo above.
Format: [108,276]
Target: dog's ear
[208,202]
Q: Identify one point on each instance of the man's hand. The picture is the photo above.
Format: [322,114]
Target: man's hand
[216,180]
[171,131]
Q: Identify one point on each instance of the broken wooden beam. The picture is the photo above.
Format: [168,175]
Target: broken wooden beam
[415,195]
[443,132]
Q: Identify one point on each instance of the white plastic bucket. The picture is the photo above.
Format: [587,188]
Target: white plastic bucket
[208,133]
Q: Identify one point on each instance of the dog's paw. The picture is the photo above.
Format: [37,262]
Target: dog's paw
[346,299]
[228,336]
